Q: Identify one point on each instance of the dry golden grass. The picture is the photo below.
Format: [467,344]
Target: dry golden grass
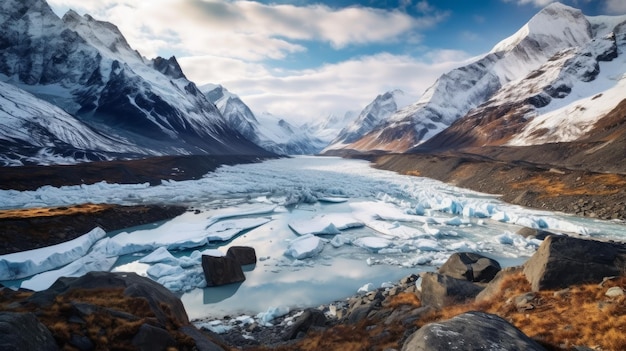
[552,186]
[52,211]
[581,316]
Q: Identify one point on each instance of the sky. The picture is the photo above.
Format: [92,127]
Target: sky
[303,60]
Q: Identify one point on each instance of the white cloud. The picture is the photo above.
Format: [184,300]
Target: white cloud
[334,88]
[537,3]
[246,29]
[616,7]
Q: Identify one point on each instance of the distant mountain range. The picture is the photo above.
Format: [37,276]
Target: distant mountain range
[73,90]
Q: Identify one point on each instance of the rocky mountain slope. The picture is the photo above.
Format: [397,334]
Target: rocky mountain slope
[552,81]
[86,68]
[270,132]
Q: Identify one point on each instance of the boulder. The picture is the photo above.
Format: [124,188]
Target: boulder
[562,261]
[440,290]
[221,270]
[23,332]
[243,254]
[165,306]
[470,331]
[470,266]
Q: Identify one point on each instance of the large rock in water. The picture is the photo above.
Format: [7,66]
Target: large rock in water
[440,290]
[562,261]
[470,331]
[243,254]
[470,266]
[23,332]
[221,270]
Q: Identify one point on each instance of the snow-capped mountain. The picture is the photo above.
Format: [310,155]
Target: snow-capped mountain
[558,50]
[87,68]
[270,132]
[375,113]
[560,101]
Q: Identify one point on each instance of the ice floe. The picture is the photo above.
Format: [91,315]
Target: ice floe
[305,246]
[26,263]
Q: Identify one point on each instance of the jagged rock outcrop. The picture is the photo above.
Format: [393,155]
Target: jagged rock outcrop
[562,261]
[470,331]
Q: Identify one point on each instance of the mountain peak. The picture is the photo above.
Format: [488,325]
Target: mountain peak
[554,22]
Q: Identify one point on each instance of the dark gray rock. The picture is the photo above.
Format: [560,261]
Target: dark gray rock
[470,331]
[309,318]
[440,290]
[242,254]
[150,338]
[470,266]
[23,332]
[221,270]
[562,261]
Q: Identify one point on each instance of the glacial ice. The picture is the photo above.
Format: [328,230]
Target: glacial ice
[325,224]
[26,263]
[226,230]
[305,246]
[372,243]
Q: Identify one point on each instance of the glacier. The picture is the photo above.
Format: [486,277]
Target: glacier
[389,226]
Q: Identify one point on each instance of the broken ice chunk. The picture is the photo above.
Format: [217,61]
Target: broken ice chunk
[305,246]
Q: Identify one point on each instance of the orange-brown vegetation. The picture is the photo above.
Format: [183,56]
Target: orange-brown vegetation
[54,211]
[581,315]
[591,184]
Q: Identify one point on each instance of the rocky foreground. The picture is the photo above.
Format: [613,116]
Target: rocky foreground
[568,296]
